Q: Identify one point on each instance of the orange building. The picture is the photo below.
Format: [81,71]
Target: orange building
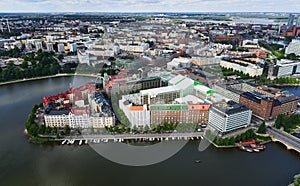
[179,113]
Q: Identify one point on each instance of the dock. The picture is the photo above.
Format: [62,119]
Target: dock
[104,138]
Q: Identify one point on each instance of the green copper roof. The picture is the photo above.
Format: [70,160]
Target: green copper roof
[197,83]
[168,107]
[210,92]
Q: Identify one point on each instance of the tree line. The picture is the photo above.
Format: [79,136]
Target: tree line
[248,135]
[33,65]
[287,122]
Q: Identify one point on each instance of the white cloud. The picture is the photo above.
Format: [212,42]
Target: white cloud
[147,5]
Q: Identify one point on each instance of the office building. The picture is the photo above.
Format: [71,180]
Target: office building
[73,47]
[293,47]
[61,48]
[38,45]
[285,67]
[291,20]
[225,117]
[49,47]
[268,107]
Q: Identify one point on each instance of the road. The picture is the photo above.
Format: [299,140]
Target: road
[285,138]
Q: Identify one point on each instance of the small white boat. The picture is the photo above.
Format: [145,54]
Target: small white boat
[255,150]
[249,150]
[80,142]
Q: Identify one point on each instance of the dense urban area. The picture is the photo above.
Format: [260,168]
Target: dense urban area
[220,75]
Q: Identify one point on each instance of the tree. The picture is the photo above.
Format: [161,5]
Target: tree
[134,128]
[225,141]
[42,129]
[24,65]
[231,141]
[116,129]
[297,180]
[54,130]
[33,130]
[262,128]
[146,128]
[79,131]
[60,57]
[122,129]
[67,130]
[48,130]
[279,121]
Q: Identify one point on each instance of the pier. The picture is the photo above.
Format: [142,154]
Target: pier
[83,139]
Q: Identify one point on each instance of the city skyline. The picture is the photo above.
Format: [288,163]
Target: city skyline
[149,6]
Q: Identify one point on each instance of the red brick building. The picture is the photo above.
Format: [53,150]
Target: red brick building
[261,105]
[268,107]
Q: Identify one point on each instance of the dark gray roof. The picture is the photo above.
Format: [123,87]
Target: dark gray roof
[52,109]
[230,108]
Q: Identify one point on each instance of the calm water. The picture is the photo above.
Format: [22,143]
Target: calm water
[22,163]
[294,90]
[262,21]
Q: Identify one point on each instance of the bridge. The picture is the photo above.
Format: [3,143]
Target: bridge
[138,136]
[290,141]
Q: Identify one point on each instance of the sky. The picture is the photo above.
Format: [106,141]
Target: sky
[149,5]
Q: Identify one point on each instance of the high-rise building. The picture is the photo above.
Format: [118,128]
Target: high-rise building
[61,48]
[291,20]
[50,47]
[293,47]
[298,21]
[73,47]
[38,45]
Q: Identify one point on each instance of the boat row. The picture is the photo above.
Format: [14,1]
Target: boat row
[251,146]
[105,140]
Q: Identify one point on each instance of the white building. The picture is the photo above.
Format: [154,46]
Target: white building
[293,47]
[38,45]
[61,48]
[226,117]
[78,121]
[135,48]
[286,67]
[138,116]
[59,121]
[50,47]
[179,63]
[73,47]
[241,66]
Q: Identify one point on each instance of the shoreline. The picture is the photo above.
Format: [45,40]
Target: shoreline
[285,85]
[46,77]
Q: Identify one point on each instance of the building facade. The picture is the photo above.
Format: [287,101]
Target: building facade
[268,107]
[226,117]
[179,113]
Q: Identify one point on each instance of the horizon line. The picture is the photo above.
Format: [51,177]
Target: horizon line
[152,12]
